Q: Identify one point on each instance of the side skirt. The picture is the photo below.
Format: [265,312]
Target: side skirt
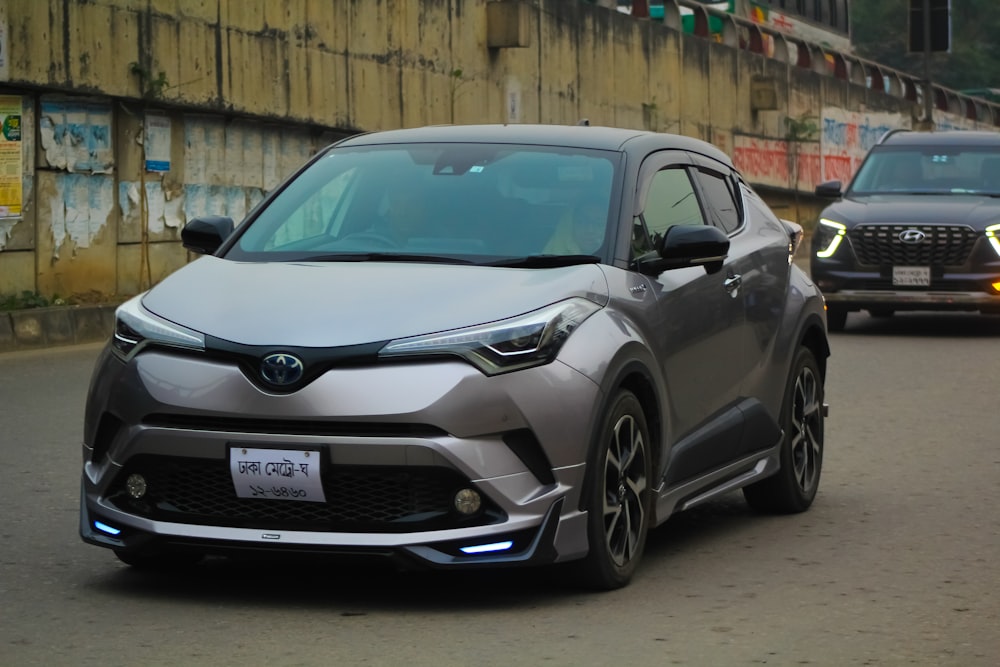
[736,475]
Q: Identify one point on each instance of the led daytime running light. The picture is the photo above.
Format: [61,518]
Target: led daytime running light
[991,234]
[841,231]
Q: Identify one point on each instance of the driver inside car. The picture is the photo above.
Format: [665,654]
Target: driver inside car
[580,232]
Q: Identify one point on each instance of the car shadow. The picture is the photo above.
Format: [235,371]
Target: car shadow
[958,325]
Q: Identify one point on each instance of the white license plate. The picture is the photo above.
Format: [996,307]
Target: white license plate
[911,276]
[276,474]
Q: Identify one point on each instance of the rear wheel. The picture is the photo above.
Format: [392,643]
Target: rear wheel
[617,497]
[793,487]
[836,318]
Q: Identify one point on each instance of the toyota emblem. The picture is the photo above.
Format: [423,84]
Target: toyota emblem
[912,236]
[281,369]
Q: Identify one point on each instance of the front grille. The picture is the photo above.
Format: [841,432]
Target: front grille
[943,245]
[377,499]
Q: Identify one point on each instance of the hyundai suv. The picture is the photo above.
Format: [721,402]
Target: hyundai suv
[463,347]
[918,228]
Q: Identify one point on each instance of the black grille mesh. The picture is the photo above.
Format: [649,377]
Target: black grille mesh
[943,245]
[358,498]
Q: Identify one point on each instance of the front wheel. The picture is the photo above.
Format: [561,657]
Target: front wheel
[793,487]
[617,496]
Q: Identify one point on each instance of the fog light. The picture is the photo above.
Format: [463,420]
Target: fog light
[136,486]
[996,286]
[468,501]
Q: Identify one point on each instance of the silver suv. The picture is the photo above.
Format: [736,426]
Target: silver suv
[464,347]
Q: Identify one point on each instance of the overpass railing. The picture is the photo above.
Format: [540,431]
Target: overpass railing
[744,33]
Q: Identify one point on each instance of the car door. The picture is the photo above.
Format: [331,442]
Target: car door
[757,270]
[699,319]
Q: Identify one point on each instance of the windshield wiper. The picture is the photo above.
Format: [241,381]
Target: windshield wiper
[544,261]
[384,257]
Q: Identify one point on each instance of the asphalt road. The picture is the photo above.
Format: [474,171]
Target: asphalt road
[896,563]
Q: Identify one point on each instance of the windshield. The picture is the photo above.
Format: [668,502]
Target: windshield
[929,170]
[474,203]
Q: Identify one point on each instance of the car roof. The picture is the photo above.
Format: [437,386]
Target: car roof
[570,136]
[942,138]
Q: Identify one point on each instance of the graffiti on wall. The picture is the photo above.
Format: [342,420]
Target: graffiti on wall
[844,138]
[776,163]
[847,136]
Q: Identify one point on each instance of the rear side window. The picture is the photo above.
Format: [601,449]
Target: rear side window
[722,199]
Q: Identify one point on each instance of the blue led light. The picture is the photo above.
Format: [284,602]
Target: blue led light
[487,548]
[105,528]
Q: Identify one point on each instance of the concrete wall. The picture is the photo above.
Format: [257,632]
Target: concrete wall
[139,114]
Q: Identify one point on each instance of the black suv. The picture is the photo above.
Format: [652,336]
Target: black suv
[918,228]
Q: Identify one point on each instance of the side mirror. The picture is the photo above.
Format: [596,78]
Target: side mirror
[687,245]
[795,235]
[205,235]
[830,189]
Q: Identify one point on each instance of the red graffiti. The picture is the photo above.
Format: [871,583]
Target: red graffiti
[837,168]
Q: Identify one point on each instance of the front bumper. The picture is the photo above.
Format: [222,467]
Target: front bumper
[914,300]
[442,419]
[121,532]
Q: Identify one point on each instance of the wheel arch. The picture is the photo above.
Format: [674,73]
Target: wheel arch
[634,376]
[814,338]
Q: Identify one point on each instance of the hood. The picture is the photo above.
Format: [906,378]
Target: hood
[332,304]
[976,211]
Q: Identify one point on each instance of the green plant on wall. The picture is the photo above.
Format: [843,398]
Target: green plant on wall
[27,299]
[798,130]
[151,87]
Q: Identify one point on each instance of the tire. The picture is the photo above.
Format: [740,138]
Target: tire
[159,561]
[793,488]
[836,319]
[618,497]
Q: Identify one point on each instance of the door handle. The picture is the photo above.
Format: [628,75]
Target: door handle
[732,284]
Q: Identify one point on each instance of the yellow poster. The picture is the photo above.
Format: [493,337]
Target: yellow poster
[11,167]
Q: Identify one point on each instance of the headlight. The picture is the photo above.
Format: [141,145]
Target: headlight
[991,233]
[524,341]
[136,327]
[830,234]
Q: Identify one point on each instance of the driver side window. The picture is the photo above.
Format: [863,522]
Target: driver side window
[671,200]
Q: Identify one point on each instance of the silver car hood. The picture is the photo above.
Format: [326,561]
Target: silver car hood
[331,304]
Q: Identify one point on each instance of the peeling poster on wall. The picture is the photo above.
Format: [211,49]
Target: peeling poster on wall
[157,142]
[76,136]
[11,160]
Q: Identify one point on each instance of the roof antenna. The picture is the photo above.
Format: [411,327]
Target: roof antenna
[583,121]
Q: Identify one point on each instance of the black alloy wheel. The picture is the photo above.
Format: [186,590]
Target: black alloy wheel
[793,488]
[618,496]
